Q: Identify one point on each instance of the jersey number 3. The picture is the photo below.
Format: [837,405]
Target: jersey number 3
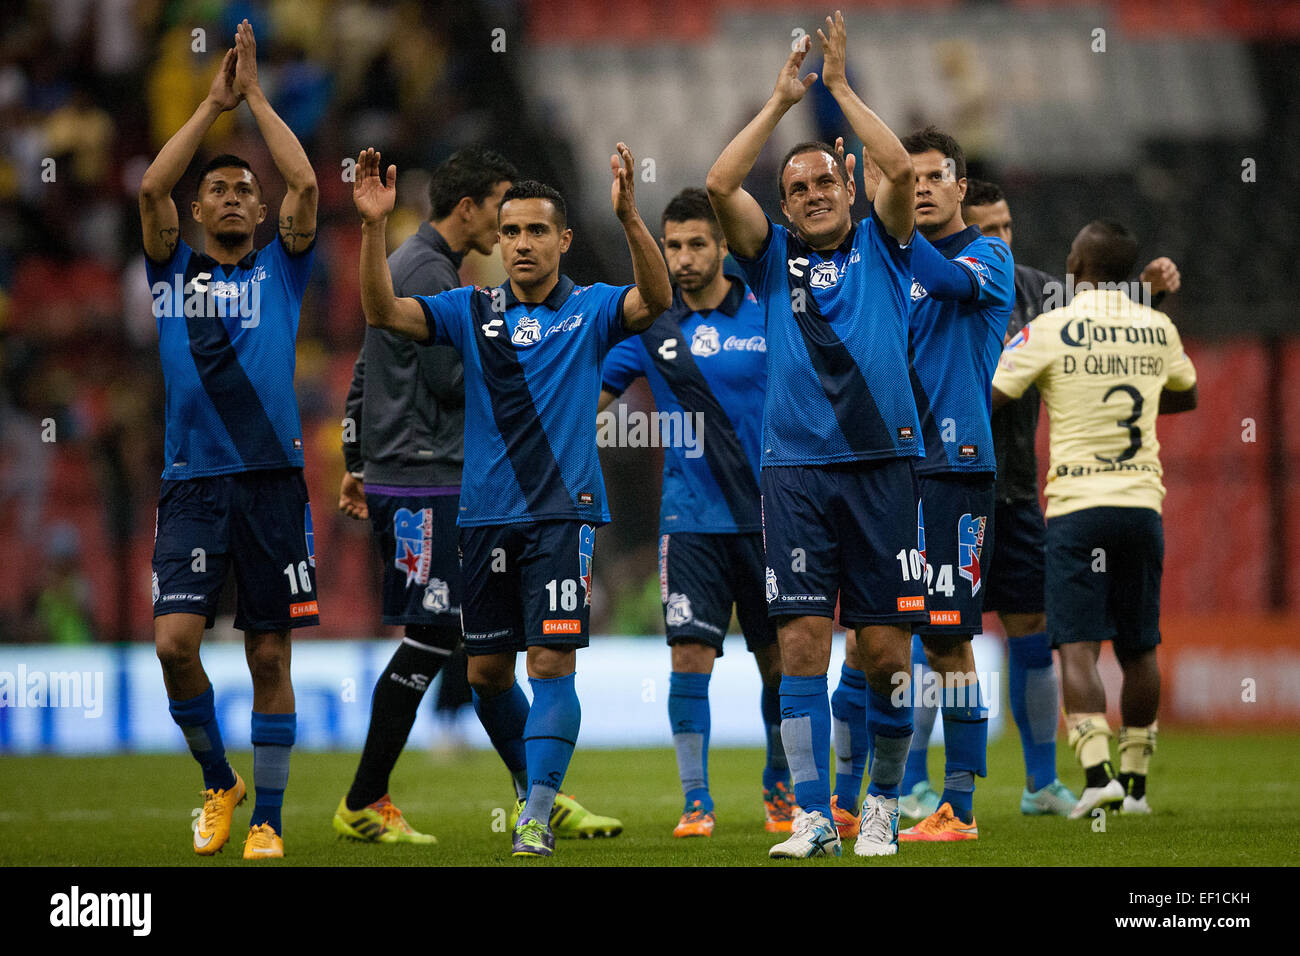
[1134,433]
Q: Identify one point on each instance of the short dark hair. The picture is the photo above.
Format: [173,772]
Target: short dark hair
[474,172]
[532,189]
[981,192]
[809,146]
[924,140]
[691,203]
[1112,250]
[224,161]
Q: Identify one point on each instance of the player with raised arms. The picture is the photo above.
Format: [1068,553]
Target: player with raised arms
[706,360]
[1105,366]
[840,432]
[233,495]
[532,350]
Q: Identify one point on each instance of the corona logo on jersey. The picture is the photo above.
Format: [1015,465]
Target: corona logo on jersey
[824,275]
[414,534]
[970,543]
[705,341]
[527,332]
[586,547]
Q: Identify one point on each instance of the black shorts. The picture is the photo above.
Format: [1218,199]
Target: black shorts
[701,576]
[958,525]
[846,531]
[256,522]
[416,531]
[1103,577]
[1016,560]
[526,584]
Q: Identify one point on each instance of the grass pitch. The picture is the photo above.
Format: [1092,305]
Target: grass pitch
[1220,801]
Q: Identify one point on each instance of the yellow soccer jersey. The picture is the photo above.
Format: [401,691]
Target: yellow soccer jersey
[1100,363]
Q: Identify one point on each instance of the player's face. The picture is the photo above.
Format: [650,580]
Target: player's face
[938,191]
[817,200]
[531,240]
[993,219]
[229,205]
[694,255]
[483,220]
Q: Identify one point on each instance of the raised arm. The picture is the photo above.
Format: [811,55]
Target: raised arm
[654,291]
[895,198]
[374,199]
[297,222]
[158,218]
[742,219]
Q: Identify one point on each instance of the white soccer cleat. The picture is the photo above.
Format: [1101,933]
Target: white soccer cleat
[878,835]
[1094,797]
[1136,806]
[811,834]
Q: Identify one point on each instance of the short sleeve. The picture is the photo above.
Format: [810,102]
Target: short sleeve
[757,270]
[1026,356]
[1182,374]
[994,272]
[174,265]
[448,315]
[295,268]
[609,314]
[622,366]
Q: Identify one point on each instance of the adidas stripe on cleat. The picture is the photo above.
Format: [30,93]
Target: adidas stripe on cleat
[380,822]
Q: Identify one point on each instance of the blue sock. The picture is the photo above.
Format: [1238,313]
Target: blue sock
[806,734]
[197,718]
[890,729]
[777,768]
[965,740]
[549,738]
[688,714]
[922,722]
[849,723]
[273,736]
[1034,703]
[504,717]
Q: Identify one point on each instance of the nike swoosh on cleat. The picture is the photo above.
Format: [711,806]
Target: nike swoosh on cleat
[204,842]
[263,849]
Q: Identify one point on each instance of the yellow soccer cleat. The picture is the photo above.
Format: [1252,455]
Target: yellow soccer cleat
[942,826]
[778,808]
[263,843]
[695,823]
[212,826]
[846,823]
[380,822]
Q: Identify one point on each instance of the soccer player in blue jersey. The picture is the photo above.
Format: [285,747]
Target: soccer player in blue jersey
[962,294]
[531,350]
[706,362]
[233,495]
[840,431]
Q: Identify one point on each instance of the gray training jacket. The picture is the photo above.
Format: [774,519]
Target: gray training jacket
[408,400]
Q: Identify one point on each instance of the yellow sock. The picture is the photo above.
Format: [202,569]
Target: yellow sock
[1090,738]
[1136,745]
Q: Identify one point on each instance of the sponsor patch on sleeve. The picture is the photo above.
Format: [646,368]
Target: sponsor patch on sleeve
[981,271]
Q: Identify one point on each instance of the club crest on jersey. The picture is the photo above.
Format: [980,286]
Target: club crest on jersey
[704,342]
[1019,339]
[437,596]
[677,610]
[414,534]
[824,275]
[586,547]
[918,291]
[981,271]
[970,543]
[527,332]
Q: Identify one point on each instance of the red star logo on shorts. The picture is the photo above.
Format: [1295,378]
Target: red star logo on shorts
[409,560]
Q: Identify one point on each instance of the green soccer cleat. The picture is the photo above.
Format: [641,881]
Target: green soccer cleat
[570,820]
[1055,799]
[380,822]
[922,802]
[532,839]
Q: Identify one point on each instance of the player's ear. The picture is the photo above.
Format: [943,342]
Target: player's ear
[465,208]
[851,188]
[261,213]
[566,237]
[785,212]
[196,210]
[961,189]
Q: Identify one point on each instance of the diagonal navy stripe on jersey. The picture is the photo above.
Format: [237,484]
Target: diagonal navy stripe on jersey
[930,433]
[227,385]
[845,386]
[722,449]
[530,452]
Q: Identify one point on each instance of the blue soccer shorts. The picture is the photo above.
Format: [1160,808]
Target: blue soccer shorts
[415,530]
[701,576]
[958,512]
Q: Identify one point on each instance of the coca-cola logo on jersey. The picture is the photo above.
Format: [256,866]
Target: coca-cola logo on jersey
[755,343]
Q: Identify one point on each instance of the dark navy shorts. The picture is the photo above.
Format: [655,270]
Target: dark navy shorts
[257,523]
[848,531]
[701,576]
[1103,577]
[958,541]
[526,584]
[1016,560]
[415,529]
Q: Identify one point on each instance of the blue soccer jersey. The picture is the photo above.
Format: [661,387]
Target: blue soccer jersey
[226,335]
[532,384]
[955,350]
[708,373]
[837,386]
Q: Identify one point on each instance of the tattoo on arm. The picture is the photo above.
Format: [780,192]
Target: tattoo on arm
[170,238]
[294,241]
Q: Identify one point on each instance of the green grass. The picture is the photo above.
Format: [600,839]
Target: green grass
[1220,801]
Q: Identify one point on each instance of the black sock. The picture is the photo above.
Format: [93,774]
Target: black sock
[397,696]
[1098,776]
[1135,784]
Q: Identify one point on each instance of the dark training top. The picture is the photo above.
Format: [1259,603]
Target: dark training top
[1016,423]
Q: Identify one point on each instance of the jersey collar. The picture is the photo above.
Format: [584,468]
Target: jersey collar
[211,264]
[729,305]
[554,301]
[949,246]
